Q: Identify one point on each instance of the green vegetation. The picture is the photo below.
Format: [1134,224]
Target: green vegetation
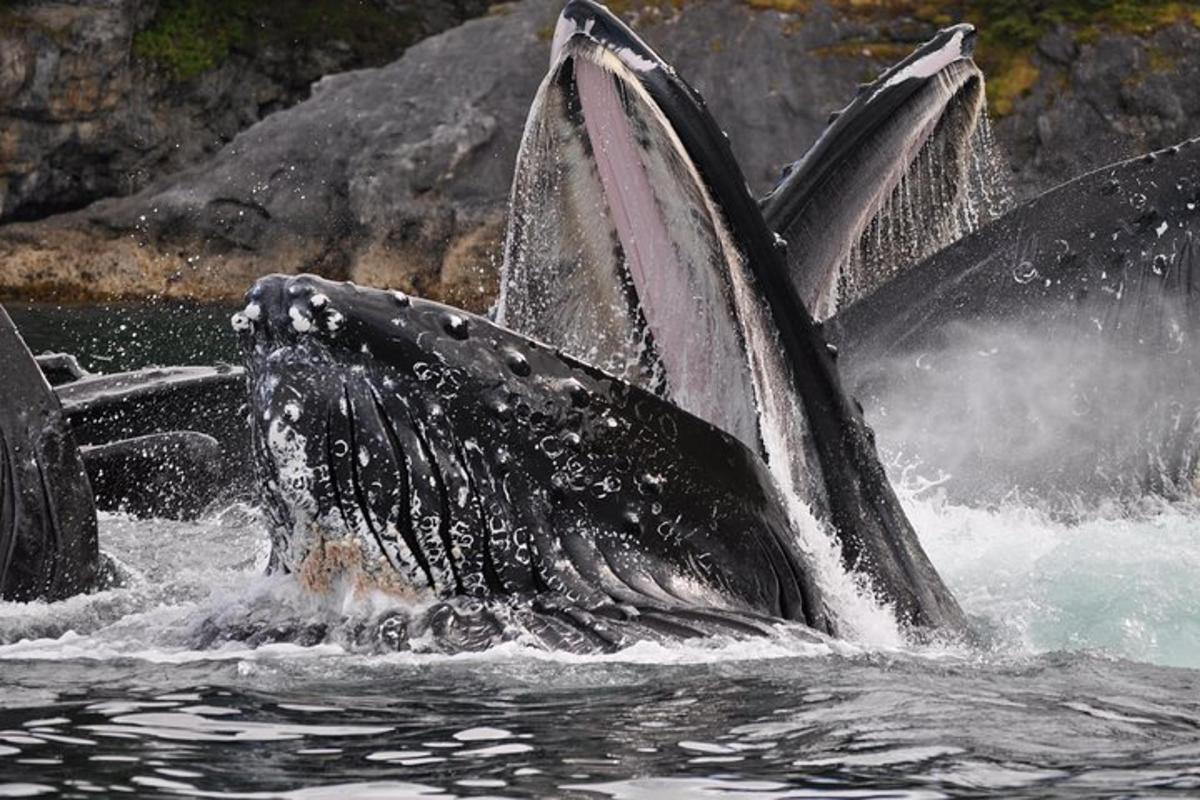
[1010,29]
[189,37]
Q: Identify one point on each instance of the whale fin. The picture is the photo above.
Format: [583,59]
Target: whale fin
[894,178]
[718,296]
[174,475]
[48,545]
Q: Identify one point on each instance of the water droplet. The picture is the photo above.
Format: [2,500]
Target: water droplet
[650,485]
[551,446]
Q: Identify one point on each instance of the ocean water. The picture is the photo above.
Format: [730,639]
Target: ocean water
[1087,684]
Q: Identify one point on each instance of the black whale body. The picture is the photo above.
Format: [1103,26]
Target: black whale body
[412,448]
[723,268]
[48,546]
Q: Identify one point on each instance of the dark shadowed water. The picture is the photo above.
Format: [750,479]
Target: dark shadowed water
[1090,687]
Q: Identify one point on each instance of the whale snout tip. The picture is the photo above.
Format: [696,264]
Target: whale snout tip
[295,310]
[291,306]
[966,46]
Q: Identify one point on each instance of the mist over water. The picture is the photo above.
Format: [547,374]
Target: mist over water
[1034,414]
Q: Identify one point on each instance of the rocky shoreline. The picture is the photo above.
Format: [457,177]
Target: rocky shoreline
[398,175]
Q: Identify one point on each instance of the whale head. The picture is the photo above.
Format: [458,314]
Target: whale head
[409,447]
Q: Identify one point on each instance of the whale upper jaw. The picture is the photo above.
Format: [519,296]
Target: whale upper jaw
[929,104]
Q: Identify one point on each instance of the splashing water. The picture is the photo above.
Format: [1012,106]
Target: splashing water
[109,693]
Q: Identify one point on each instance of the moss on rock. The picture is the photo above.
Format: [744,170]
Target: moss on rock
[190,37]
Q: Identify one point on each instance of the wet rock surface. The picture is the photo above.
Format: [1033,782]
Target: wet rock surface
[398,176]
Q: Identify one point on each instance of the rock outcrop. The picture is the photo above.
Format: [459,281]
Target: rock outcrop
[99,97]
[398,176]
[1103,101]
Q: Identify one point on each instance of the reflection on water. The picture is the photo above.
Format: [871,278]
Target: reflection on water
[297,725]
[109,694]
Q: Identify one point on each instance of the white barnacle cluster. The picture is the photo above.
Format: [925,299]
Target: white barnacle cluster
[244,320]
[300,321]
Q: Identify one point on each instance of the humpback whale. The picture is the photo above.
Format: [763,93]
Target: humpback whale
[643,443]
[162,441]
[410,448]
[48,545]
[407,448]
[1089,294]
[894,178]
[634,244]
[937,293]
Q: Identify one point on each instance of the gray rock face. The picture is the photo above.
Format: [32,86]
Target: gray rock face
[81,117]
[1097,103]
[398,176]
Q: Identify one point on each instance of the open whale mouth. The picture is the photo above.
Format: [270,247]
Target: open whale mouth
[618,250]
[902,171]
